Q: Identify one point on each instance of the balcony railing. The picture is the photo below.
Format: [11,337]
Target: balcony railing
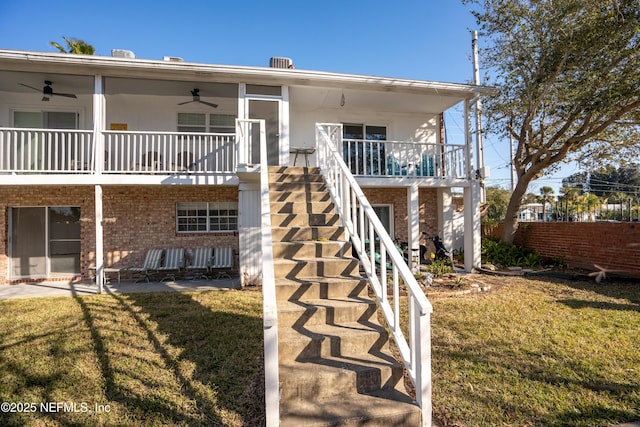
[168,152]
[410,159]
[45,151]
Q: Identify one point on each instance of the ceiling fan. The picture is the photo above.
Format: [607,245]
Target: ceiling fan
[47,91]
[196,98]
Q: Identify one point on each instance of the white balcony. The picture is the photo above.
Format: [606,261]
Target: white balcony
[46,151]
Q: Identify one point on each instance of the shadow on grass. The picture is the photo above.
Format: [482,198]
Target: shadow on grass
[187,363]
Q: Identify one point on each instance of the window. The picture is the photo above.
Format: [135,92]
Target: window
[385,215]
[206,122]
[206,217]
[45,119]
[363,151]
[264,90]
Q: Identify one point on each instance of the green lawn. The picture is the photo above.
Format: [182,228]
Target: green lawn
[137,359]
[529,353]
[538,353]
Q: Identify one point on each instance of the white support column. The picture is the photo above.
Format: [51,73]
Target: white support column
[413,226]
[98,158]
[99,121]
[285,142]
[445,217]
[99,240]
[472,229]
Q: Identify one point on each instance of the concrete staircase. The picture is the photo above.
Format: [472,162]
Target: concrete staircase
[335,366]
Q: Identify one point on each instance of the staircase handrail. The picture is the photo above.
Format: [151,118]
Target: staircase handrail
[353,207]
[269,302]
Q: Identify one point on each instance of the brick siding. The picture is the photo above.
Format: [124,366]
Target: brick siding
[135,219]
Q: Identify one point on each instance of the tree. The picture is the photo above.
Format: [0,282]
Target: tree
[76,46]
[497,201]
[546,196]
[568,79]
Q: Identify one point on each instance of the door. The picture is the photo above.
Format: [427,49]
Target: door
[269,111]
[28,242]
[44,241]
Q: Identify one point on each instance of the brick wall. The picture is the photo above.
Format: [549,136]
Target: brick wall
[614,246]
[135,219]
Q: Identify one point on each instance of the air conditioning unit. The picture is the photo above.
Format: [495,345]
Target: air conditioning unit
[121,53]
[280,62]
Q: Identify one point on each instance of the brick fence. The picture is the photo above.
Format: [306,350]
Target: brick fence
[613,246]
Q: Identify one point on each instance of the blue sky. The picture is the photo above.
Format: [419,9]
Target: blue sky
[426,40]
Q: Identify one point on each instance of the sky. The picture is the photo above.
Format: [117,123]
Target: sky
[424,40]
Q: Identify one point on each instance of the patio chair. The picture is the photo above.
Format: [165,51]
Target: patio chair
[173,262]
[201,262]
[222,262]
[151,263]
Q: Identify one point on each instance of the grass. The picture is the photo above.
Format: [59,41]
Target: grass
[528,353]
[538,353]
[144,359]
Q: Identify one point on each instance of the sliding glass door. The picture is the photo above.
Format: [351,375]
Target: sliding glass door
[44,241]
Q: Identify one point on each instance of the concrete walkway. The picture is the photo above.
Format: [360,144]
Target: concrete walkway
[80,288]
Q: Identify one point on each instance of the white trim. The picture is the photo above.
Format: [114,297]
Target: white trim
[125,67]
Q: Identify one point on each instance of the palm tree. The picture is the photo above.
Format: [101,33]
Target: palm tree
[75,46]
[546,196]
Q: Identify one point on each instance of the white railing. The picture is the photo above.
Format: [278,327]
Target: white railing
[45,150]
[382,262]
[246,131]
[168,152]
[411,159]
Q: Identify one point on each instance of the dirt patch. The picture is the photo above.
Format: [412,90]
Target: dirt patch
[451,285]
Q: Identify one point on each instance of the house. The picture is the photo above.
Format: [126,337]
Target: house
[103,158]
[167,164]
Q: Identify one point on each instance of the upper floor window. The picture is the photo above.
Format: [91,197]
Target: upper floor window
[45,119]
[206,122]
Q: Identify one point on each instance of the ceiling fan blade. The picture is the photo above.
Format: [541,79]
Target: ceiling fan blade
[68,95]
[30,87]
[186,102]
[210,104]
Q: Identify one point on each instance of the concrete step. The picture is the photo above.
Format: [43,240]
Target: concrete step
[299,196]
[315,233]
[297,313]
[311,288]
[306,250]
[300,177]
[294,170]
[391,408]
[302,207]
[333,377]
[305,342]
[329,266]
[298,186]
[304,219]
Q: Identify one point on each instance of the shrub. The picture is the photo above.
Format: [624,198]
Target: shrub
[496,252]
[439,267]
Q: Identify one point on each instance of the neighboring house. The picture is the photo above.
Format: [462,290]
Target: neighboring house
[117,155]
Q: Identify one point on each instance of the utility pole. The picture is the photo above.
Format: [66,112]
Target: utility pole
[479,144]
[511,165]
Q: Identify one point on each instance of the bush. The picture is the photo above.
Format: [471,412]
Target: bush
[496,252]
[439,267]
